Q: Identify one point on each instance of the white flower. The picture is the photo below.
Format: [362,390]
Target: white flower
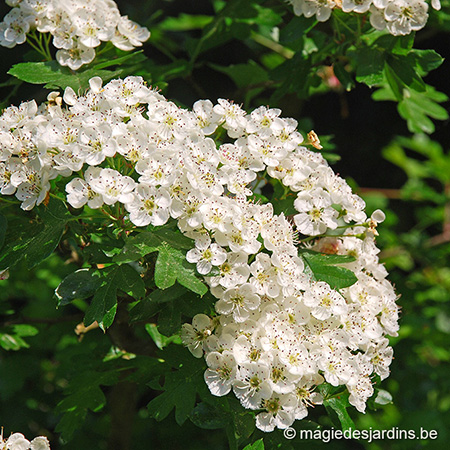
[320,8]
[195,335]
[324,301]
[207,119]
[17,441]
[252,386]
[77,27]
[316,213]
[113,186]
[129,34]
[238,301]
[40,443]
[404,16]
[337,367]
[359,6]
[221,373]
[149,206]
[206,255]
[360,390]
[279,412]
[277,329]
[76,56]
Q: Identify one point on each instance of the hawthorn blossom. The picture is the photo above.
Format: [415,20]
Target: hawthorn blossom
[279,329]
[77,27]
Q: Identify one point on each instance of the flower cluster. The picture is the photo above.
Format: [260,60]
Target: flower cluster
[77,27]
[17,441]
[280,331]
[399,17]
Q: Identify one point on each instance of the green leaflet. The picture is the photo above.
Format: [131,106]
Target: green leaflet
[81,284]
[3,227]
[84,394]
[36,239]
[208,417]
[339,405]
[12,337]
[149,241]
[180,386]
[323,268]
[172,266]
[258,445]
[243,74]
[54,76]
[104,304]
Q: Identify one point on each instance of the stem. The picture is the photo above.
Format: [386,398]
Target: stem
[109,215]
[12,202]
[106,47]
[272,45]
[198,47]
[337,18]
[358,36]
[41,48]
[165,51]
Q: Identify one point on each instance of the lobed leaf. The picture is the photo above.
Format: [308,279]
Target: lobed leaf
[180,386]
[339,405]
[172,266]
[104,304]
[54,76]
[35,240]
[323,267]
[81,284]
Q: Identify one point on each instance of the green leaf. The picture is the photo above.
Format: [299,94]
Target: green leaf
[339,406]
[395,83]
[54,76]
[36,239]
[155,302]
[160,340]
[243,75]
[403,66]
[150,241]
[172,266]
[117,61]
[84,393]
[12,338]
[258,445]
[180,386]
[104,304]
[167,295]
[417,106]
[169,319]
[3,227]
[369,65]
[296,29]
[343,76]
[185,22]
[70,422]
[324,268]
[81,284]
[383,397]
[396,155]
[426,60]
[207,417]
